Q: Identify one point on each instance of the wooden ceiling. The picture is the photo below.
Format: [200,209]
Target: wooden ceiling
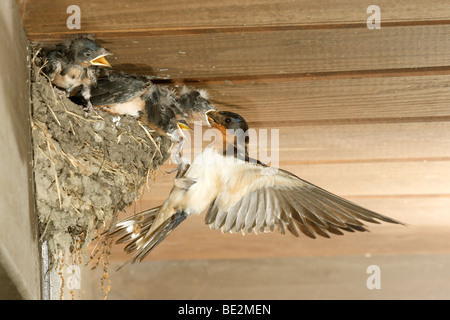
[362,113]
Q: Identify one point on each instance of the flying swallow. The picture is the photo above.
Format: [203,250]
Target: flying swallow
[240,194]
[74,63]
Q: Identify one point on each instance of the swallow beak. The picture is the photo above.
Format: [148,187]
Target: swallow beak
[101,61]
[210,117]
[183,125]
[178,135]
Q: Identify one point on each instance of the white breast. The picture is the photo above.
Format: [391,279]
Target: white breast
[210,169]
[131,108]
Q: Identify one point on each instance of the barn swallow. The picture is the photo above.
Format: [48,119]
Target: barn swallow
[74,63]
[241,194]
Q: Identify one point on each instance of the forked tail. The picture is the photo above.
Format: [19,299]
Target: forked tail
[134,231]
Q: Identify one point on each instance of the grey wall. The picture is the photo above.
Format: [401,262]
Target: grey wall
[19,251]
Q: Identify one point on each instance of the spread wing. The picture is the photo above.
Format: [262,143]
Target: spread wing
[118,88]
[270,198]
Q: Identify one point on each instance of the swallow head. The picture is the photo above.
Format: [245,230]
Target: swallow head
[87,52]
[232,126]
[161,114]
[194,104]
[171,129]
[163,117]
[226,120]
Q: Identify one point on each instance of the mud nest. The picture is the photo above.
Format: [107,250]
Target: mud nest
[86,169]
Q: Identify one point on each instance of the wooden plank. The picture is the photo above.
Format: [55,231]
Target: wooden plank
[282,53]
[286,52]
[162,15]
[350,143]
[385,142]
[427,232]
[408,277]
[336,101]
[378,179]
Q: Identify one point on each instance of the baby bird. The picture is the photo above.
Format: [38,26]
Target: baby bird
[131,95]
[74,63]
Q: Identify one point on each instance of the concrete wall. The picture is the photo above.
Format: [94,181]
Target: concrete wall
[19,250]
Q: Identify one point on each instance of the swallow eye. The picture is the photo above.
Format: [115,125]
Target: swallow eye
[88,54]
[228,120]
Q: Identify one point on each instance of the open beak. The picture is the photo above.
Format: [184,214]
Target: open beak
[210,116]
[101,61]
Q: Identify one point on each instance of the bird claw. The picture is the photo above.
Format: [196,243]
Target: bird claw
[88,109]
[182,168]
[176,154]
[182,163]
[61,93]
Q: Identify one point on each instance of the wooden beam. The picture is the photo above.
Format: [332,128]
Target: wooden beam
[336,101]
[403,277]
[340,144]
[282,53]
[162,16]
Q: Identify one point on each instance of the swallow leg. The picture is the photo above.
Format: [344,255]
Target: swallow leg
[182,168]
[61,93]
[177,158]
[86,93]
[182,164]
[88,109]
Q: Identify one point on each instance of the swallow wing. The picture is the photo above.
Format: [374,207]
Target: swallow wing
[118,88]
[263,198]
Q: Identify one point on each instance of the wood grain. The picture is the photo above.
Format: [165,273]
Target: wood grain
[281,52]
[336,101]
[403,276]
[259,54]
[339,144]
[164,16]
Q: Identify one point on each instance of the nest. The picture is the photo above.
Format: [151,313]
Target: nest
[86,169]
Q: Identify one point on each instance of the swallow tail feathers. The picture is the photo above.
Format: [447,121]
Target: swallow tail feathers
[134,227]
[134,231]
